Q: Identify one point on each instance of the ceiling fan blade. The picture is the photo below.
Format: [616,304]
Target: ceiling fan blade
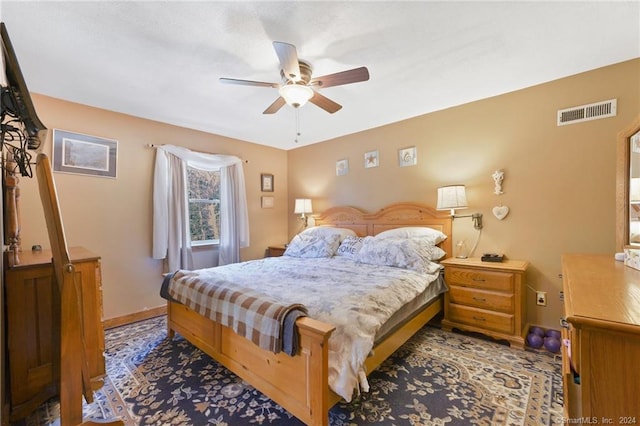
[275,106]
[345,77]
[325,103]
[288,57]
[248,82]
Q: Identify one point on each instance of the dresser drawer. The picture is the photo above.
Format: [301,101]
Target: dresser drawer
[490,280]
[495,321]
[494,301]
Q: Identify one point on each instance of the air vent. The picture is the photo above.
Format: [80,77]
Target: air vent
[587,112]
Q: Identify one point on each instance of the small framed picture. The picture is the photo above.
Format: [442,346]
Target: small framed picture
[266,182]
[267,202]
[371,159]
[342,167]
[84,154]
[407,157]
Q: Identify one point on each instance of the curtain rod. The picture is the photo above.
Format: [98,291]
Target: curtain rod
[151,145]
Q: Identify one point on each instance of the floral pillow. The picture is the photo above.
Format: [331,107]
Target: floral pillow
[404,253]
[313,246]
[349,247]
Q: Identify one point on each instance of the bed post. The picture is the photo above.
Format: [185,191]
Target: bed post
[318,368]
[12,207]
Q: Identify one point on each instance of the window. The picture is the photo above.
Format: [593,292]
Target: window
[204,206]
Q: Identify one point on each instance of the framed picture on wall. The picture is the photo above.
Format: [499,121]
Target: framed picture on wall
[371,159]
[267,202]
[407,157]
[342,167]
[84,155]
[266,182]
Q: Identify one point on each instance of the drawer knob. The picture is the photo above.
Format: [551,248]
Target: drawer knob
[478,279]
[479,318]
[479,299]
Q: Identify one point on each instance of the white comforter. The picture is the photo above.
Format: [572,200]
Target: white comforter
[356,298]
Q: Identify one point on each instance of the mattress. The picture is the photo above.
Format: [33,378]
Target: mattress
[412,308]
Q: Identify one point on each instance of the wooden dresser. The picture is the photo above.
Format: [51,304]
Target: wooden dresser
[486,297]
[33,325]
[601,376]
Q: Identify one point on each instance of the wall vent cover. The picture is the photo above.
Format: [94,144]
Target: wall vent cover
[587,112]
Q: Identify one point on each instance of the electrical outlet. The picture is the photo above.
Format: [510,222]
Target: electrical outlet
[541,298]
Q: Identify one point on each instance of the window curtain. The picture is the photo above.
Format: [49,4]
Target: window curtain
[171,235]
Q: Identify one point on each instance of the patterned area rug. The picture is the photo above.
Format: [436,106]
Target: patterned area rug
[436,378]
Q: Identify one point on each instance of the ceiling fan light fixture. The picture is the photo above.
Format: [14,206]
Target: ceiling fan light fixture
[296,95]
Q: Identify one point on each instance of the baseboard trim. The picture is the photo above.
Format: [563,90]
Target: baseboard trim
[135,317]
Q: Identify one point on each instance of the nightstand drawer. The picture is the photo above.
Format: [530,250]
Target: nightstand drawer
[502,302]
[490,280]
[487,320]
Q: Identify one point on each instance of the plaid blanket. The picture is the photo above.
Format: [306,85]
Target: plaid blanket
[249,313]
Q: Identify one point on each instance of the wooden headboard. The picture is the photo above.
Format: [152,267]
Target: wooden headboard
[392,216]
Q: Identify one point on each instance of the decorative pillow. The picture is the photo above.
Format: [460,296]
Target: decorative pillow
[349,247]
[404,253]
[329,230]
[413,232]
[312,246]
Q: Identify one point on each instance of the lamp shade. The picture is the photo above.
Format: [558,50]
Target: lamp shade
[303,205]
[296,95]
[452,197]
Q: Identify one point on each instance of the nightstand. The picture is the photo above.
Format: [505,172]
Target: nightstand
[486,297]
[276,251]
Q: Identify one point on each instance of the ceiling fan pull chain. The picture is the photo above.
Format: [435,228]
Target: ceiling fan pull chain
[297,124]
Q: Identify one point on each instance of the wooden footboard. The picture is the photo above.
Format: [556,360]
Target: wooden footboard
[299,383]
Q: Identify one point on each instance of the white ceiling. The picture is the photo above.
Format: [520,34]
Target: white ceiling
[162,60]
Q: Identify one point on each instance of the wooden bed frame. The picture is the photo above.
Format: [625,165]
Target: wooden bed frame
[300,383]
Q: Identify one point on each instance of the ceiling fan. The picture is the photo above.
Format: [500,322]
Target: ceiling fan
[298,86]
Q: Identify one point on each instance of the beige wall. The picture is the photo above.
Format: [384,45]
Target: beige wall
[559,181]
[113,218]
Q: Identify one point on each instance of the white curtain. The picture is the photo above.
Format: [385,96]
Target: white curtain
[171,236]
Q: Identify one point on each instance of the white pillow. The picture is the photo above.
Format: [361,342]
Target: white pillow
[435,252]
[404,253]
[349,247]
[426,245]
[329,230]
[312,246]
[413,232]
